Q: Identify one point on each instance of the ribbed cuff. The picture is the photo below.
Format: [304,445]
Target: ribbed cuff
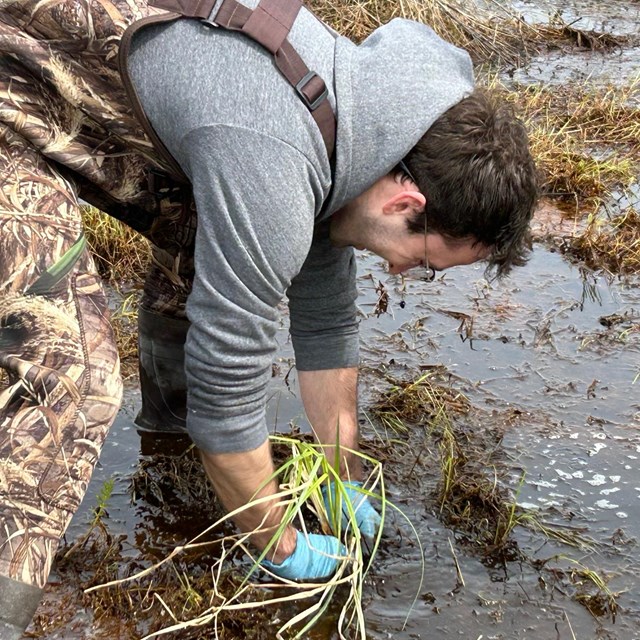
[326,352]
[229,434]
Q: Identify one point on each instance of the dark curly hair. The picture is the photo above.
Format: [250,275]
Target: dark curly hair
[475,169]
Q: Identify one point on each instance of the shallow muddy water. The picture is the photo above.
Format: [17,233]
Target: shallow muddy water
[617,17]
[538,346]
[612,64]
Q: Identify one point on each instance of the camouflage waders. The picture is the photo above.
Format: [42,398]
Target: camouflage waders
[66,132]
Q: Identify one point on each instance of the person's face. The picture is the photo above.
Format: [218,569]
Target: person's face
[378,221]
[406,250]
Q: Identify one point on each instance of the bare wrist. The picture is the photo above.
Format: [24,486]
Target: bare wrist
[284,547]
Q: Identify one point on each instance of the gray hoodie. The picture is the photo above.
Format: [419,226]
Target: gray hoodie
[265,192]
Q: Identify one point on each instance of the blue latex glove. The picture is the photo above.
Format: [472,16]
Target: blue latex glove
[316,557]
[367,517]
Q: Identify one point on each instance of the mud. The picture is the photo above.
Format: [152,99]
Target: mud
[548,363]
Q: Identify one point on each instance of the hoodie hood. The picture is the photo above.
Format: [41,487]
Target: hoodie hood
[389,90]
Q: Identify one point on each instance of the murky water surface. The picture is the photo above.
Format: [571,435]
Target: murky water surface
[553,345]
[619,17]
[617,66]
[538,344]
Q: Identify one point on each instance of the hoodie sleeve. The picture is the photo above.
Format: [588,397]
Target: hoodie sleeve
[256,197]
[322,305]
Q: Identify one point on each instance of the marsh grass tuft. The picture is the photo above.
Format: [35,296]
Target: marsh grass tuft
[422,401]
[221,592]
[611,244]
[469,494]
[485,35]
[591,587]
[603,601]
[585,138]
[120,252]
[559,32]
[121,256]
[98,512]
[471,497]
[472,492]
[586,142]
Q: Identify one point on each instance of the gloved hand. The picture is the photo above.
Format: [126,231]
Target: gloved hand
[315,557]
[367,517]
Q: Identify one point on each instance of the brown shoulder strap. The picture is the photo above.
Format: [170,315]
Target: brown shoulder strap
[268,24]
[171,165]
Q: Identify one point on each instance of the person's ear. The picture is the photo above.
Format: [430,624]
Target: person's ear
[405,203]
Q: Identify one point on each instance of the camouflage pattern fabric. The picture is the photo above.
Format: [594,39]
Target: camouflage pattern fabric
[61,385]
[61,91]
[67,132]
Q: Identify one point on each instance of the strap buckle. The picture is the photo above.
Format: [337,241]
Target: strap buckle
[312,105]
[209,21]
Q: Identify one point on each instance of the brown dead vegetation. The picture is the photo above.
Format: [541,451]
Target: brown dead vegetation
[124,321]
[178,499]
[613,245]
[498,35]
[120,252]
[470,496]
[484,35]
[584,39]
[586,141]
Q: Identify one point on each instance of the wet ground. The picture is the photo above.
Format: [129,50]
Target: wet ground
[611,35]
[539,345]
[550,362]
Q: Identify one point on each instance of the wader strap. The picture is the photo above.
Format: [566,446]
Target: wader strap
[269,25]
[173,168]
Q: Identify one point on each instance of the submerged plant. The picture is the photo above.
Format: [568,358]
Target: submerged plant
[592,589]
[98,513]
